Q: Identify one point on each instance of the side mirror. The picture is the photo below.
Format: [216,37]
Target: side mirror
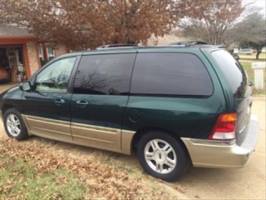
[26,86]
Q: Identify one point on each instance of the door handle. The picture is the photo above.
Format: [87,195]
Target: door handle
[59,101]
[82,102]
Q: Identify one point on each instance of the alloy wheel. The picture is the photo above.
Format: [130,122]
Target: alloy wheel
[13,125]
[160,156]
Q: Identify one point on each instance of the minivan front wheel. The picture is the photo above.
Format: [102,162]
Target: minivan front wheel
[14,125]
[163,156]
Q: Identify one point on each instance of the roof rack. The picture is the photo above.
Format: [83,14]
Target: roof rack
[116,46]
[189,43]
[173,45]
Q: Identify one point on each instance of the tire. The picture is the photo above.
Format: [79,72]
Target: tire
[156,162]
[20,133]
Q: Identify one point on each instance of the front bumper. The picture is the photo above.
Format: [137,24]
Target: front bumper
[210,153]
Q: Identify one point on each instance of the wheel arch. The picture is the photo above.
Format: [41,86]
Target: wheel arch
[6,107]
[142,131]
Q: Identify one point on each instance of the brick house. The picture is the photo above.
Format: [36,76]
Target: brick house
[21,54]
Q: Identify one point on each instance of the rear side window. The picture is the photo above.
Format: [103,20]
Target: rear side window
[232,70]
[170,74]
[104,74]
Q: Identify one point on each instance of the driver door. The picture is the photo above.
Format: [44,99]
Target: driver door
[47,106]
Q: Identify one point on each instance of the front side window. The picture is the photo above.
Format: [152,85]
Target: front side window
[170,74]
[55,77]
[104,74]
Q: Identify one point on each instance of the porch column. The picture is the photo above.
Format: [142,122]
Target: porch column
[26,61]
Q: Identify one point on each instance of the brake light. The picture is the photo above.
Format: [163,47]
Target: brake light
[225,127]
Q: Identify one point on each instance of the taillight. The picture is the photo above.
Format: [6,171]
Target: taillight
[225,127]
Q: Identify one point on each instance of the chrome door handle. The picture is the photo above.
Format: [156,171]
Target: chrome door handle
[82,102]
[59,101]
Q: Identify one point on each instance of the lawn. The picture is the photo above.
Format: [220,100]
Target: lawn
[23,180]
[37,169]
[252,57]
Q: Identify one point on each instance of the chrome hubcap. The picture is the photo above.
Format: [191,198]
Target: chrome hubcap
[160,156]
[13,125]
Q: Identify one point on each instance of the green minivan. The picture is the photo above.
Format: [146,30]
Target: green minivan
[173,106]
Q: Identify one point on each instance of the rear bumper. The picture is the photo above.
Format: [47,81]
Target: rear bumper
[209,153]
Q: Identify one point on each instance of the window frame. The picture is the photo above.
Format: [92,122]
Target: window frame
[134,53]
[224,79]
[50,55]
[34,76]
[173,95]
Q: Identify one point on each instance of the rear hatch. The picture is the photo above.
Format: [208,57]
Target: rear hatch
[236,78]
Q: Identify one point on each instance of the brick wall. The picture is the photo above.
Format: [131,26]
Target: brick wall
[33,56]
[167,39]
[60,50]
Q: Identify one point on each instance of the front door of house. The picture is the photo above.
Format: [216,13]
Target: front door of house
[14,64]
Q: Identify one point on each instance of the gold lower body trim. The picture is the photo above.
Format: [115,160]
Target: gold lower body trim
[100,137]
[48,128]
[97,136]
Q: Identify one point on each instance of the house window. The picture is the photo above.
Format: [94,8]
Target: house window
[51,53]
[46,54]
[41,53]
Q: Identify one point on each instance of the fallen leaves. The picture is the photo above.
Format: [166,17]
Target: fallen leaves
[103,180]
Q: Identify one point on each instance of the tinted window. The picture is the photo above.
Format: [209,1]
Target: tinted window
[55,77]
[170,74]
[232,71]
[104,74]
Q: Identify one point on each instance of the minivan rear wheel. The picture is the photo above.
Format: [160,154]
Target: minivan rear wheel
[14,125]
[163,156]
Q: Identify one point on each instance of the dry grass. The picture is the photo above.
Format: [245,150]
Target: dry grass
[46,172]
[252,57]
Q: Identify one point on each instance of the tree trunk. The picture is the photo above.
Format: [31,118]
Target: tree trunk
[258,54]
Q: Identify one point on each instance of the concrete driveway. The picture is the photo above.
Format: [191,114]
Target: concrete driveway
[199,183]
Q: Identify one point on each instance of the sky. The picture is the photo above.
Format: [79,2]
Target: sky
[253,4]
